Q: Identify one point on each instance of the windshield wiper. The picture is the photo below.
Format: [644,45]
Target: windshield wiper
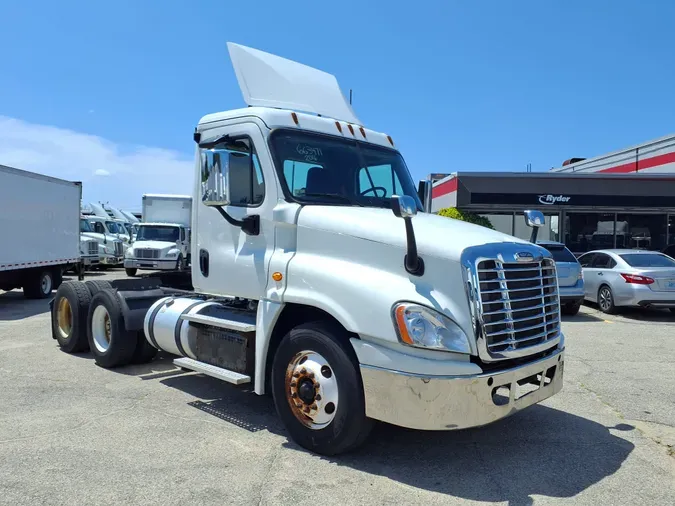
[336,196]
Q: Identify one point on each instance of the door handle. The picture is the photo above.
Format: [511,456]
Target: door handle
[600,274]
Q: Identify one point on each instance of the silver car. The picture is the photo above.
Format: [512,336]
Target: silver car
[570,278]
[624,277]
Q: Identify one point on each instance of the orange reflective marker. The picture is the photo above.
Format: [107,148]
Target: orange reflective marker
[277,276]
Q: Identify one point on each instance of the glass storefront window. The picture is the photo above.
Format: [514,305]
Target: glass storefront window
[588,231]
[549,232]
[502,222]
[641,231]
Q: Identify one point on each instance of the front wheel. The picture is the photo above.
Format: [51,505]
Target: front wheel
[318,391]
[606,300]
[131,272]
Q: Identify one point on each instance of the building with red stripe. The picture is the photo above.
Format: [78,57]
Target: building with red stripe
[621,199]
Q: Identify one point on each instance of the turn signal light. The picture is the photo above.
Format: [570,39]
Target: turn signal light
[637,280]
[277,276]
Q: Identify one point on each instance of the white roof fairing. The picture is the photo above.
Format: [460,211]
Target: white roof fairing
[267,80]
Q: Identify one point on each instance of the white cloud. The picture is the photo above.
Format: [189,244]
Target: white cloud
[109,172]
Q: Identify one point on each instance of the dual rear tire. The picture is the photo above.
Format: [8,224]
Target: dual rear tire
[88,316]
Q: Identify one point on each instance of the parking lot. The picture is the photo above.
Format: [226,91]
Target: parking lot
[74,433]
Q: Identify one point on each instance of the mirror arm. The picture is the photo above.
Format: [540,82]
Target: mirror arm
[533,236]
[250,224]
[413,262]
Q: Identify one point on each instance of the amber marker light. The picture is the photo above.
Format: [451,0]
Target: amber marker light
[402,327]
[277,276]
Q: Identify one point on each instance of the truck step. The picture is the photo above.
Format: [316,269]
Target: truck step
[212,370]
[220,322]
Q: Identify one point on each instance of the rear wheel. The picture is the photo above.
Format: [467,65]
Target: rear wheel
[131,272]
[571,308]
[96,285]
[39,285]
[109,341]
[606,300]
[144,351]
[317,389]
[69,317]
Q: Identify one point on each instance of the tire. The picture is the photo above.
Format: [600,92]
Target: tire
[345,427]
[571,308]
[69,316]
[109,341]
[96,285]
[144,351]
[131,272]
[39,285]
[672,309]
[606,305]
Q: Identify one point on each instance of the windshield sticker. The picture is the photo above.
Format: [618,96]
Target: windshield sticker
[309,153]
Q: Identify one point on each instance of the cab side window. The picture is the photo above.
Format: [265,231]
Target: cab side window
[98,228]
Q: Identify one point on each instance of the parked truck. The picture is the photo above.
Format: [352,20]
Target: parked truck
[110,248]
[162,240]
[319,279]
[39,216]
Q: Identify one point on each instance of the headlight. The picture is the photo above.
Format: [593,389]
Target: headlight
[172,254]
[129,253]
[426,328]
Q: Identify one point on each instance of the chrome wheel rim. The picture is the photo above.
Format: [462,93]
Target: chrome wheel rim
[605,298]
[101,330]
[312,389]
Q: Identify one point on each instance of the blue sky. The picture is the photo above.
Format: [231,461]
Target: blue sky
[471,85]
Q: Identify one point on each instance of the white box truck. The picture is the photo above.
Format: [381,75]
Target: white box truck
[40,219]
[162,240]
[319,279]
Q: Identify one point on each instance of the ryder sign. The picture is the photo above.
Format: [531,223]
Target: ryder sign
[549,199]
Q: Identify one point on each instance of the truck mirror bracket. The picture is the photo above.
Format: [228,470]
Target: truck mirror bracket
[404,207]
[250,225]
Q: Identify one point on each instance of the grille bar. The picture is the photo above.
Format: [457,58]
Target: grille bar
[507,290]
[522,339]
[519,320]
[539,306]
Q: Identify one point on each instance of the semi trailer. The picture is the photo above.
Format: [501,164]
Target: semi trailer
[320,279]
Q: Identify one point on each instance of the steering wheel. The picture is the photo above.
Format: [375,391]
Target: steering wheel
[374,190]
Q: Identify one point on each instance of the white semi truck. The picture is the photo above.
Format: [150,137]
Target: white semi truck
[110,247]
[162,240]
[319,279]
[39,217]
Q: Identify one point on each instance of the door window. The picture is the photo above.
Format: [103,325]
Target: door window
[587,259]
[603,261]
[98,228]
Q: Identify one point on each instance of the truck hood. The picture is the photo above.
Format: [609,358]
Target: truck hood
[99,237]
[160,245]
[436,235]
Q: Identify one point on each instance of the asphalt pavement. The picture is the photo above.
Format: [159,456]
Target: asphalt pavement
[74,433]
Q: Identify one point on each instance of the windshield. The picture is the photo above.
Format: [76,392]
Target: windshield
[648,260]
[127,227]
[319,169]
[560,253]
[112,227]
[157,233]
[85,226]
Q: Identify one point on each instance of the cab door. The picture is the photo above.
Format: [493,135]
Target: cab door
[226,259]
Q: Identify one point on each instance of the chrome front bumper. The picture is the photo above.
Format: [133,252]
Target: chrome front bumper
[162,265]
[456,402]
[111,260]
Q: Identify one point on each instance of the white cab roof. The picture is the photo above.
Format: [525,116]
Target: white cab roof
[159,224]
[267,80]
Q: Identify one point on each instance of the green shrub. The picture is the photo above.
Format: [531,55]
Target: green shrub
[452,212]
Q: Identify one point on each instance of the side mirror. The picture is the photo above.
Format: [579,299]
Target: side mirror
[534,220]
[215,179]
[424,193]
[403,206]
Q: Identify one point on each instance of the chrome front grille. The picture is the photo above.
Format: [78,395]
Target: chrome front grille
[515,303]
[119,248]
[147,253]
[92,247]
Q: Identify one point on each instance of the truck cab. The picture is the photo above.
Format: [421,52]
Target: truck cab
[158,246]
[110,247]
[319,279]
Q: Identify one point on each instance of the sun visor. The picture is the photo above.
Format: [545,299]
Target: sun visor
[267,80]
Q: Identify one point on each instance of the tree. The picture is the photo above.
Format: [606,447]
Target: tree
[452,212]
